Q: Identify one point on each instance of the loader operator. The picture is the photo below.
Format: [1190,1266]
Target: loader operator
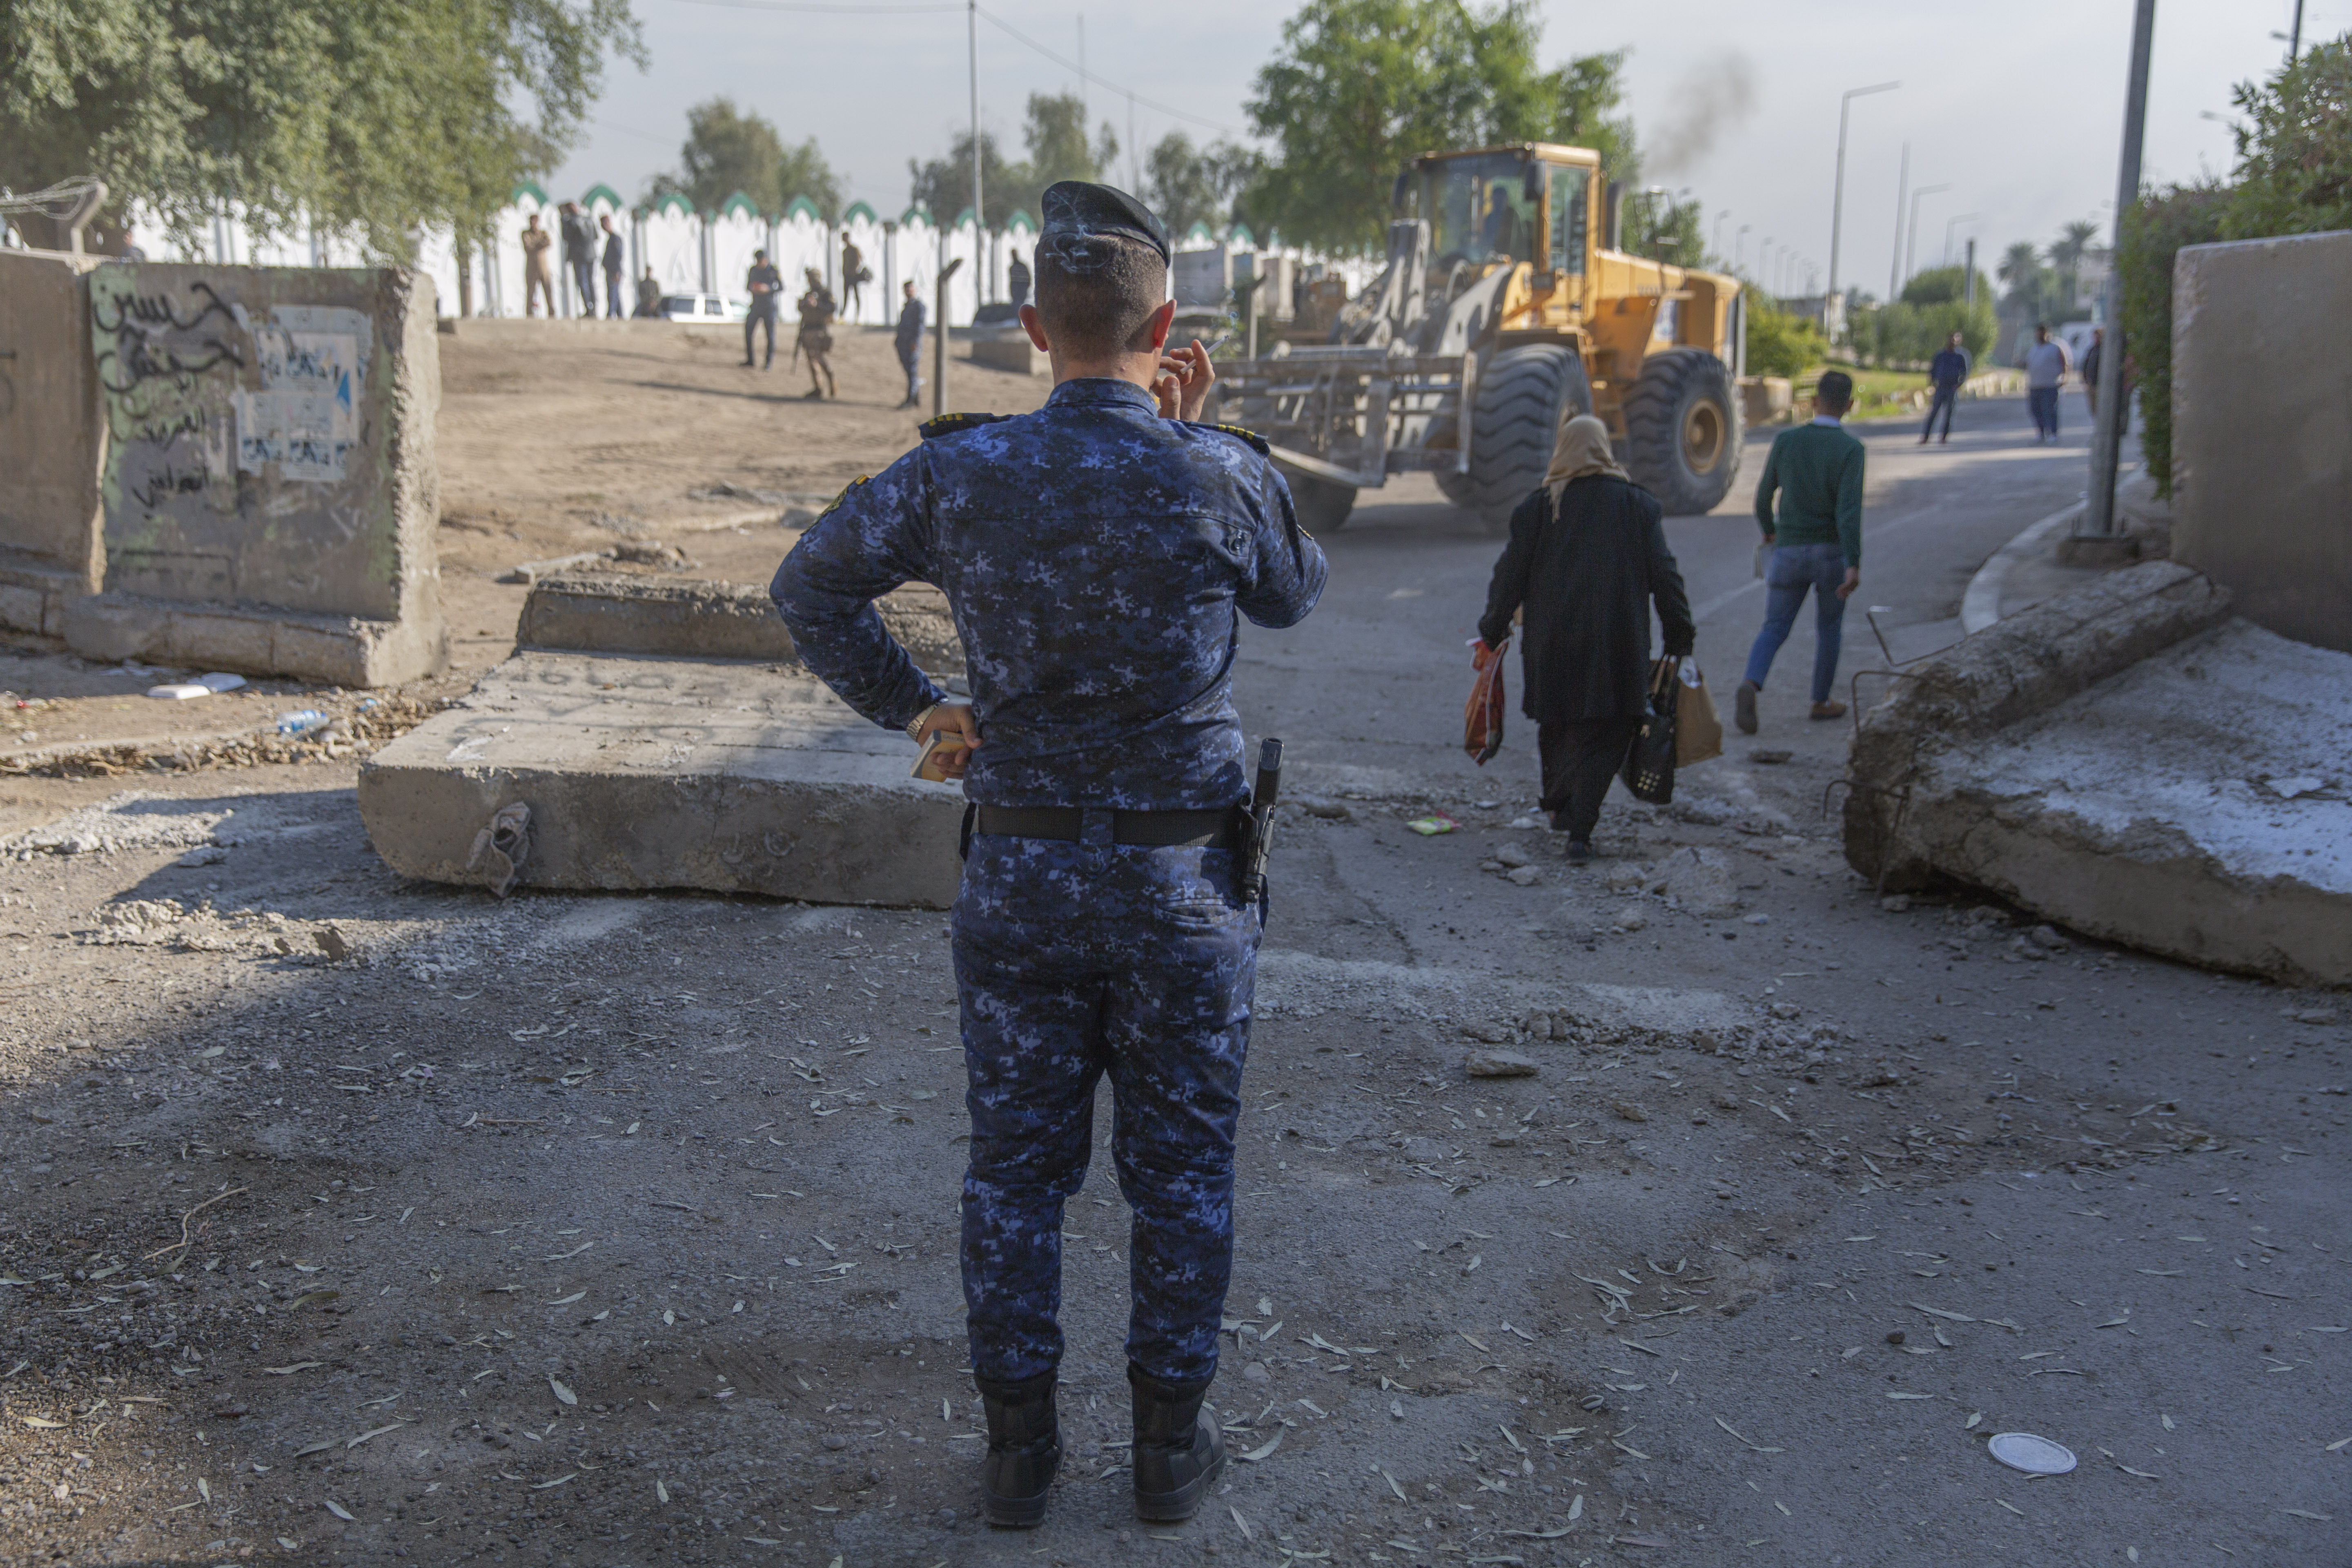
[1097,554]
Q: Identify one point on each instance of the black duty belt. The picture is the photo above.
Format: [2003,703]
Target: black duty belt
[1148,829]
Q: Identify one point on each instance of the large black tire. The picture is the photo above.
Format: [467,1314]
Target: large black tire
[1525,395]
[1681,427]
[1322,506]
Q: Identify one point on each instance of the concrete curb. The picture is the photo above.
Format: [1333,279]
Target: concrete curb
[1980,605]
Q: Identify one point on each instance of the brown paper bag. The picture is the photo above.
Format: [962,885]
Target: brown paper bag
[1698,734]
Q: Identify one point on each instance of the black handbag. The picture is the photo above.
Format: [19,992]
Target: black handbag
[1649,770]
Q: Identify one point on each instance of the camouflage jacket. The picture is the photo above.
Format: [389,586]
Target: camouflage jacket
[1098,558]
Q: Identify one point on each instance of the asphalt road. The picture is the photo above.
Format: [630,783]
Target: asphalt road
[638,1213]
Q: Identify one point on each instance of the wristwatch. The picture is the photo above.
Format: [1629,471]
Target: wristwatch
[915,726]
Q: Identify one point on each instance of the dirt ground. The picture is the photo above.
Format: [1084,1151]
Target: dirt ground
[347,1220]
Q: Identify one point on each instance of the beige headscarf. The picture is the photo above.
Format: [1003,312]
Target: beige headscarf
[1583,449]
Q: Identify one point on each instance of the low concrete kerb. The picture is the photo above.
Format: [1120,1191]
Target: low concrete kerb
[1980,605]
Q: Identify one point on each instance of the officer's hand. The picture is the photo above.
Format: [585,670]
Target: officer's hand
[1853,581]
[961,728]
[1182,387]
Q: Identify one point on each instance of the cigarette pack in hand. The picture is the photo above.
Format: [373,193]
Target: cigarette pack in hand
[943,748]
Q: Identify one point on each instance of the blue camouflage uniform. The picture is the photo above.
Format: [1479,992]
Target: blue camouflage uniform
[1098,558]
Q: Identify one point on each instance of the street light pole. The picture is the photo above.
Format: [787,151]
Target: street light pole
[1718,232]
[1837,197]
[1894,256]
[1951,224]
[2114,415]
[1911,240]
[1740,263]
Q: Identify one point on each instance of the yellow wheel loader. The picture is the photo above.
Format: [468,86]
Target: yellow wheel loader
[1502,313]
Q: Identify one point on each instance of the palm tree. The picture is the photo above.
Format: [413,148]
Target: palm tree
[2019,266]
[2067,255]
[2066,251]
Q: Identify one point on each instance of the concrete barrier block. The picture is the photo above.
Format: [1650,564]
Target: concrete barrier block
[696,618]
[643,773]
[2262,451]
[2004,675]
[268,463]
[51,440]
[2177,807]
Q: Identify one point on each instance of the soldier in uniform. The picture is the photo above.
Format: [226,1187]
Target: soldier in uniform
[1098,555]
[817,311]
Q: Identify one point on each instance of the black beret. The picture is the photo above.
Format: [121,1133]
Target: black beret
[1077,211]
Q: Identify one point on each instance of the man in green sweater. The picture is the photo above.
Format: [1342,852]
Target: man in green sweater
[1816,544]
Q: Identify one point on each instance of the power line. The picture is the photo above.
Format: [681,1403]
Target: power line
[995,21]
[1068,63]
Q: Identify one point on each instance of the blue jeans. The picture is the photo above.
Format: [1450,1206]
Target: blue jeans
[1946,397]
[1794,568]
[2043,401]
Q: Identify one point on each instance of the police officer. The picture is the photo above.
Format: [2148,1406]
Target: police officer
[1098,555]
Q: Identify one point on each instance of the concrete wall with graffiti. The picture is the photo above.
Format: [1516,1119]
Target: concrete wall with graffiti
[267,490]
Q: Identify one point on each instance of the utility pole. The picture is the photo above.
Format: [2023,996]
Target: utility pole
[1740,263]
[1837,198]
[1911,240]
[978,223]
[1134,149]
[1895,261]
[2114,414]
[1085,109]
[2294,38]
[1969,286]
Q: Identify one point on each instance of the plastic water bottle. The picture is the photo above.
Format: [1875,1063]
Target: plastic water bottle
[301,722]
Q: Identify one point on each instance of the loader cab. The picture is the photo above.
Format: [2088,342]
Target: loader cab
[1506,206]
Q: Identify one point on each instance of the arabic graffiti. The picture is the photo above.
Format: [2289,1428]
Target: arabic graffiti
[238,461]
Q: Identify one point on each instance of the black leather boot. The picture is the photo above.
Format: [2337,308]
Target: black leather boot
[1024,1450]
[1179,1447]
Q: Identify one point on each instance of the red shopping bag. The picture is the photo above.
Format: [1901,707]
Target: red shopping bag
[1482,716]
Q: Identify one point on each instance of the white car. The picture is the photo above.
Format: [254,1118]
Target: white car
[700,308]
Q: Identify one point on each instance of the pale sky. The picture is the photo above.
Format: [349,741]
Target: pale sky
[2016,104]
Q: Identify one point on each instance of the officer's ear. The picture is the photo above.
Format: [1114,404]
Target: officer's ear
[1162,321]
[1034,325]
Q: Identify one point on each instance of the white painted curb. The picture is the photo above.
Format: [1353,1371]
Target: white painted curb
[1980,605]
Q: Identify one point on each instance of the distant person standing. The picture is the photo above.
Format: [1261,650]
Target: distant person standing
[1946,373]
[1587,559]
[648,295]
[817,311]
[909,342]
[1816,544]
[2046,363]
[616,261]
[579,253]
[766,287]
[853,273]
[538,276]
[2090,368]
[1017,281]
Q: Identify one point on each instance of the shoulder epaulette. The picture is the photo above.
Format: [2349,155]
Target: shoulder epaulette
[1249,436]
[948,424]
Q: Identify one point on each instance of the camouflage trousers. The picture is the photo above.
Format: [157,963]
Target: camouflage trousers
[1073,962]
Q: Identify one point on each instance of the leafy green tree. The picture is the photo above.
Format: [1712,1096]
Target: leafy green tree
[1058,150]
[1359,87]
[2295,150]
[1781,343]
[2154,228]
[728,150]
[1945,286]
[368,118]
[1187,184]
